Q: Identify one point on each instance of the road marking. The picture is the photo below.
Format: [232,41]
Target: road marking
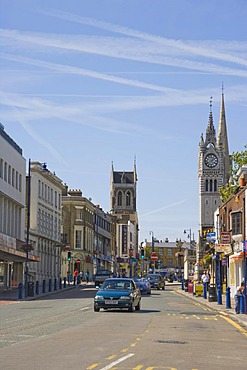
[237,326]
[111,357]
[92,366]
[139,367]
[110,366]
[124,350]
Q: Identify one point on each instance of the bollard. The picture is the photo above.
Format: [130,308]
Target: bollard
[37,287]
[205,286]
[228,297]
[44,283]
[49,285]
[60,283]
[182,284]
[55,284]
[219,294]
[64,282]
[20,291]
[242,305]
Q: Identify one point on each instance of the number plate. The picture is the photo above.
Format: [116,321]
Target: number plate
[111,302]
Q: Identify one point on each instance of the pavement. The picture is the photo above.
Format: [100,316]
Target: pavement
[241,318]
[7,297]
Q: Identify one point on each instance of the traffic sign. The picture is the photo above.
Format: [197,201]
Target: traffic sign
[154,256]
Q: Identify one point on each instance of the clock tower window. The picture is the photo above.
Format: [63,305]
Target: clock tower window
[119,198]
[128,198]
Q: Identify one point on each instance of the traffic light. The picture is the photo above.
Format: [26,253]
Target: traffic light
[142,253]
[69,256]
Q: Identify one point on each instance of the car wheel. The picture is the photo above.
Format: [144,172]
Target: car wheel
[138,307]
[131,308]
[96,309]
[158,288]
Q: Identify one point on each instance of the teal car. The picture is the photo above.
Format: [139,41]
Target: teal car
[119,293]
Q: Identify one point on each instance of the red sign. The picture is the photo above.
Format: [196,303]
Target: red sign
[154,256]
[78,261]
[225,237]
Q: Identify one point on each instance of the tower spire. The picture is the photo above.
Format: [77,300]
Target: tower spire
[210,131]
[222,135]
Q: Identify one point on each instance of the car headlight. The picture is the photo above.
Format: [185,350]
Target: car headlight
[98,297]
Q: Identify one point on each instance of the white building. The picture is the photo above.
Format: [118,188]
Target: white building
[12,211]
[45,223]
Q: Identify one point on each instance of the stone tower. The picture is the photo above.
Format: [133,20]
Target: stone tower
[123,194]
[213,168]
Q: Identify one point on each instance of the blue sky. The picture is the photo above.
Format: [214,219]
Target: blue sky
[89,82]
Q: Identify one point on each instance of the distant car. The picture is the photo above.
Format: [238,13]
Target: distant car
[157,281]
[100,277]
[118,293]
[143,284]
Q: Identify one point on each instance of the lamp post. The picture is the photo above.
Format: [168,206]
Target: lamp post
[186,267]
[151,233]
[28,225]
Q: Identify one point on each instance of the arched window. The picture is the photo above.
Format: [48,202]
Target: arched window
[119,198]
[206,185]
[211,185]
[215,185]
[128,198]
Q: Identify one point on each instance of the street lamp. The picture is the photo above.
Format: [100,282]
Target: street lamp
[28,225]
[186,267]
[151,233]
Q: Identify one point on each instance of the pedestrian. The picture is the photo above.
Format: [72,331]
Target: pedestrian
[81,275]
[87,276]
[205,278]
[75,275]
[239,293]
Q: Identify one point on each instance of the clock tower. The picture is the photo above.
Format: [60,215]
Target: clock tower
[213,169]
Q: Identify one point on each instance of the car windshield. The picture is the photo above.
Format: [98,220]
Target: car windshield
[116,285]
[153,277]
[103,272]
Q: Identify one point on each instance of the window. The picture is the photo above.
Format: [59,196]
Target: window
[206,185]
[78,239]
[9,174]
[236,223]
[1,168]
[169,252]
[211,185]
[215,185]
[119,198]
[128,197]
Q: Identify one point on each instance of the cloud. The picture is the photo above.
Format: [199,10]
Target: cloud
[158,210]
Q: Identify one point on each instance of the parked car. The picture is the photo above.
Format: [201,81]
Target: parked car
[100,277]
[157,281]
[118,293]
[143,284]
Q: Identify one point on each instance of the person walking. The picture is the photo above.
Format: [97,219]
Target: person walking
[87,276]
[81,275]
[205,278]
[239,293]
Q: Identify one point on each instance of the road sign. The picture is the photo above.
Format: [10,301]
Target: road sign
[154,256]
[225,237]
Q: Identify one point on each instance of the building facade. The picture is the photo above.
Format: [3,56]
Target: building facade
[231,245]
[45,222]
[12,212]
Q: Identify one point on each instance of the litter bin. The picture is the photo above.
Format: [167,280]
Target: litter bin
[212,294]
[186,281]
[190,287]
[30,289]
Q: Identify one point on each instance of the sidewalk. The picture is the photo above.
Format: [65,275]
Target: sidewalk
[230,312]
[13,294]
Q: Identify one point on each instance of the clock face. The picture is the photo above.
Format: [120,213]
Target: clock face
[211,160]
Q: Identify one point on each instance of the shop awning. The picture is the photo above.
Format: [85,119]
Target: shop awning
[236,256]
[8,254]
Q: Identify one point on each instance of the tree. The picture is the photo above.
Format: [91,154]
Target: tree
[238,159]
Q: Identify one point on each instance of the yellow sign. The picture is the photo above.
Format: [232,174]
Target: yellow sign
[199,289]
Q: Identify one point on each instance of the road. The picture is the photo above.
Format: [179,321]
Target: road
[62,332]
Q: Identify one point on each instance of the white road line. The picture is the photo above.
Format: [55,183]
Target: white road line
[117,362]
[84,308]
